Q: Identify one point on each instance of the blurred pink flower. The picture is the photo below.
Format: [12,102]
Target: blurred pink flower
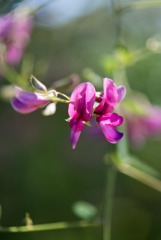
[141,127]
[80,109]
[15,30]
[105,118]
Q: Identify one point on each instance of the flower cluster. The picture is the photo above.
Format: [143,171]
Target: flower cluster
[14,34]
[83,104]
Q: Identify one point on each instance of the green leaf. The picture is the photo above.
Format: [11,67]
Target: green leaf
[109,63]
[84,210]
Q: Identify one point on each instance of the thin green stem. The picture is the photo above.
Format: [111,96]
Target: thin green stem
[62,94]
[9,73]
[50,226]
[108,205]
[140,176]
[56,99]
[121,163]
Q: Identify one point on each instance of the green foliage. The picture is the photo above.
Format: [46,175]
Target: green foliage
[84,210]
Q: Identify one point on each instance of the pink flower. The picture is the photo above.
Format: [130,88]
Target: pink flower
[105,118]
[15,30]
[26,102]
[141,127]
[80,109]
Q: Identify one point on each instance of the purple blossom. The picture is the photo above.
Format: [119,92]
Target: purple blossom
[105,118]
[110,97]
[26,102]
[141,127]
[15,30]
[80,109]
[107,123]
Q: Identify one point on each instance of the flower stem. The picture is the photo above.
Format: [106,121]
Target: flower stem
[50,226]
[56,99]
[62,94]
[108,205]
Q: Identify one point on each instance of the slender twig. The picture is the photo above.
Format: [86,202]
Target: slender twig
[56,99]
[64,95]
[50,226]
[122,165]
[110,186]
[140,176]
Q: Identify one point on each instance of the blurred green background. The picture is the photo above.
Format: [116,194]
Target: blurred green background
[39,171]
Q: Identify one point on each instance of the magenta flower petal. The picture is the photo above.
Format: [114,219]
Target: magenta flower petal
[121,92]
[107,123]
[110,133]
[82,101]
[77,127]
[99,109]
[110,91]
[110,97]
[14,55]
[22,107]
[112,119]
[31,98]
[80,109]
[26,102]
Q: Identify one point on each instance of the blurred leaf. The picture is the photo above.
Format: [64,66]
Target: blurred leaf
[109,63]
[84,210]
[25,72]
[124,57]
[120,58]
